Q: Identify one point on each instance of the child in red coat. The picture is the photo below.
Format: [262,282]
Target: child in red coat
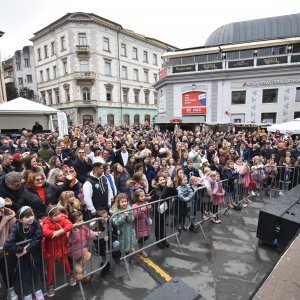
[55,228]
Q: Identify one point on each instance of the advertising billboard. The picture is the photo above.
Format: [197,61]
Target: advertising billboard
[194,103]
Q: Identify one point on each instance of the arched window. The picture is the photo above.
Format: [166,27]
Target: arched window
[136,119]
[126,119]
[110,119]
[147,118]
[86,94]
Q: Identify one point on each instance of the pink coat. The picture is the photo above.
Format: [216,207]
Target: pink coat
[78,241]
[218,194]
[140,220]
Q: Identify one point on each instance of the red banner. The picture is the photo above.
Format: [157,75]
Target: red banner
[163,73]
[194,103]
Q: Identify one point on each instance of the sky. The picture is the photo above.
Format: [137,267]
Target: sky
[182,24]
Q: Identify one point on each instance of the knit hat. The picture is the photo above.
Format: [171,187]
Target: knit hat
[2,202]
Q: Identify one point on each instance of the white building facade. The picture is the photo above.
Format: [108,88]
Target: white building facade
[96,71]
[24,69]
[234,79]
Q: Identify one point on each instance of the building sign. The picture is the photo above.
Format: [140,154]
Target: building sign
[175,121]
[275,60]
[194,103]
[163,73]
[162,102]
[209,66]
[241,63]
[271,82]
[181,69]
[295,58]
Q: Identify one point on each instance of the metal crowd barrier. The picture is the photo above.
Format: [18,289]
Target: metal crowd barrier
[137,233]
[17,267]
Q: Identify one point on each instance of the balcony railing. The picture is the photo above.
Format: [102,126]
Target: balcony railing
[83,49]
[76,104]
[84,76]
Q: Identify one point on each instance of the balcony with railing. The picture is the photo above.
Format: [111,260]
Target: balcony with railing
[84,77]
[83,50]
[77,104]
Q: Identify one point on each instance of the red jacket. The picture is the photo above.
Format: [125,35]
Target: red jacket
[56,247]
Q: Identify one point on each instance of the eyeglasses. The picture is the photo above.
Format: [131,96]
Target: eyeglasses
[39,179]
[81,152]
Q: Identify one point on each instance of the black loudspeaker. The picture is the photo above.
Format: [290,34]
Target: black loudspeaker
[279,221]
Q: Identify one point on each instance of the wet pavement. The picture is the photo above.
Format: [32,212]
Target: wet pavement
[229,264]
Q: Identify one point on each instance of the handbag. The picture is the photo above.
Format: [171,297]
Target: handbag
[149,221]
[163,207]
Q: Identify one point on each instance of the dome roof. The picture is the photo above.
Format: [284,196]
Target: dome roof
[256,30]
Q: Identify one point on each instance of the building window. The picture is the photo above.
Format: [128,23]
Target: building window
[125,95]
[146,76]
[39,54]
[108,88]
[126,119]
[86,94]
[48,74]
[268,117]
[155,98]
[297,98]
[63,43]
[136,96]
[136,74]
[67,95]
[65,67]
[155,59]
[237,118]
[29,78]
[50,97]
[43,96]
[54,71]
[52,48]
[108,68]
[147,97]
[147,118]
[238,97]
[134,53]
[106,44]
[110,119]
[56,92]
[41,76]
[155,77]
[124,72]
[145,56]
[296,114]
[18,64]
[27,62]
[123,50]
[46,51]
[20,81]
[84,66]
[82,39]
[136,119]
[270,96]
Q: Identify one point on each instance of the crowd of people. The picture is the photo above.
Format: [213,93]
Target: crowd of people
[49,185]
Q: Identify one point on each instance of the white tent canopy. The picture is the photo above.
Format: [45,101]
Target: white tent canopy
[26,112]
[292,127]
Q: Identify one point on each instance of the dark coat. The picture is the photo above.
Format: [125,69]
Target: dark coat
[82,169]
[118,157]
[121,182]
[14,196]
[31,198]
[17,235]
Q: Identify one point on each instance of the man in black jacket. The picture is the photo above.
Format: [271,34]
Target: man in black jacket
[12,188]
[189,171]
[82,165]
[122,155]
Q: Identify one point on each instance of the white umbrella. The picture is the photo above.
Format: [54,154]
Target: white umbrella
[292,127]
